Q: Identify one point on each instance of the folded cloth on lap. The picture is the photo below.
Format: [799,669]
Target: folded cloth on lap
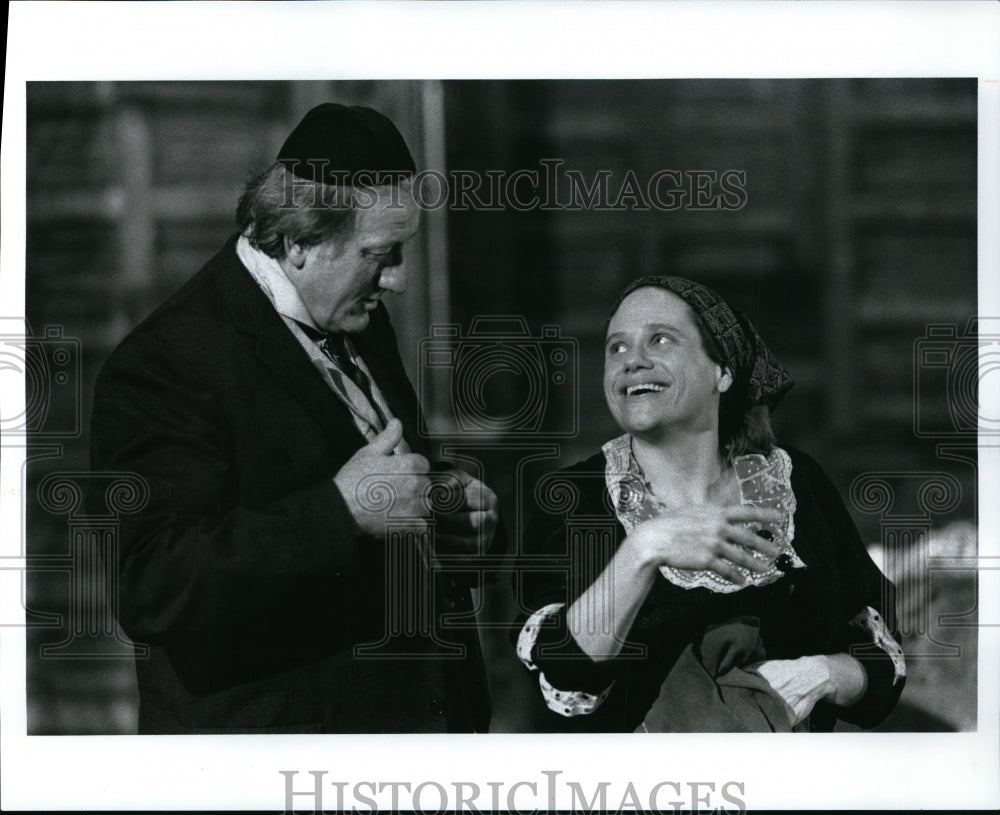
[710,690]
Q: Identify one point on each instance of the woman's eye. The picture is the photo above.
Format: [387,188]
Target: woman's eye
[616,348]
[660,339]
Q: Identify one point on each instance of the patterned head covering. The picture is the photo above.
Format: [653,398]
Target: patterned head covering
[755,369]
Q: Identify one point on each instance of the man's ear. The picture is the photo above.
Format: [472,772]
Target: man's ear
[726,380]
[294,252]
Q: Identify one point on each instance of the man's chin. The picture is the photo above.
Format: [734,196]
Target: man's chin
[354,322]
[358,323]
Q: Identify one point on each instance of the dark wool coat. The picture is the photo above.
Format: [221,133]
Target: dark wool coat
[246,573]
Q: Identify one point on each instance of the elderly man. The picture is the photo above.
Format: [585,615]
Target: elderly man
[266,406]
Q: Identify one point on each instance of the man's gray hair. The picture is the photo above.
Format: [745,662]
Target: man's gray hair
[276,204]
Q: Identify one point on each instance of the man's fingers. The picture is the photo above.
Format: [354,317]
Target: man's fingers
[458,477]
[479,496]
[466,522]
[385,442]
[402,465]
[416,463]
[473,493]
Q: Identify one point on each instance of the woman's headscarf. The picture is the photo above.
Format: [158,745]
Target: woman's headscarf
[755,369]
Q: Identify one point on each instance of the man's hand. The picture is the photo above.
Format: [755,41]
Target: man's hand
[375,468]
[468,529]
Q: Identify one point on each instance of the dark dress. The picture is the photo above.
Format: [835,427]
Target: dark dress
[807,611]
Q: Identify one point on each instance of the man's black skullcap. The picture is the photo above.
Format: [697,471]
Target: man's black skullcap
[337,144]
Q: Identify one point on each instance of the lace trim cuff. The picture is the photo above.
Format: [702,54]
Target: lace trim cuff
[572,702]
[872,622]
[563,702]
[529,633]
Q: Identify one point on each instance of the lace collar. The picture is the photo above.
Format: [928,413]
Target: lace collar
[764,481]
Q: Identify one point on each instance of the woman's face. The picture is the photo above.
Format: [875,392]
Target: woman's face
[657,376]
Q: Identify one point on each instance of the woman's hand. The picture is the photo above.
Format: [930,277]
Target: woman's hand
[800,682]
[698,537]
[707,537]
[805,681]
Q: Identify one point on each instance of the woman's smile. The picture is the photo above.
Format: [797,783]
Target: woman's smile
[643,388]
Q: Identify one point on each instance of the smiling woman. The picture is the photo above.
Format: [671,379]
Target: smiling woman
[658,379]
[718,583]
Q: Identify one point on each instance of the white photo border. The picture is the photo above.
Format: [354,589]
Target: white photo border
[136,41]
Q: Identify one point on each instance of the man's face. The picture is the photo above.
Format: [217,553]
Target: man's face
[657,377]
[342,279]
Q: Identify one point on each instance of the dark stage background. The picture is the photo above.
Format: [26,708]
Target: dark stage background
[854,253]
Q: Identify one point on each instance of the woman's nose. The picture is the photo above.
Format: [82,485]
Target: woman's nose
[636,358]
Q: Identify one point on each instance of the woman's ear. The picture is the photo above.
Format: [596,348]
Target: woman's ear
[725,380]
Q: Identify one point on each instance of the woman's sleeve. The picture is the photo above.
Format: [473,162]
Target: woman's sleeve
[546,580]
[870,632]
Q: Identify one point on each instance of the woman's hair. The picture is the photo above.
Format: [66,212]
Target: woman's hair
[743,428]
[275,204]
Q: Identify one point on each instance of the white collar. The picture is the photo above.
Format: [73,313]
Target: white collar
[273,282]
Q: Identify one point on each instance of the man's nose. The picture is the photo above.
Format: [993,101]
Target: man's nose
[392,275]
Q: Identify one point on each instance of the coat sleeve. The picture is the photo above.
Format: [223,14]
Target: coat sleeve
[869,631]
[198,563]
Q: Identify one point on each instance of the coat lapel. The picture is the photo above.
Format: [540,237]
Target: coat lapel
[282,356]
